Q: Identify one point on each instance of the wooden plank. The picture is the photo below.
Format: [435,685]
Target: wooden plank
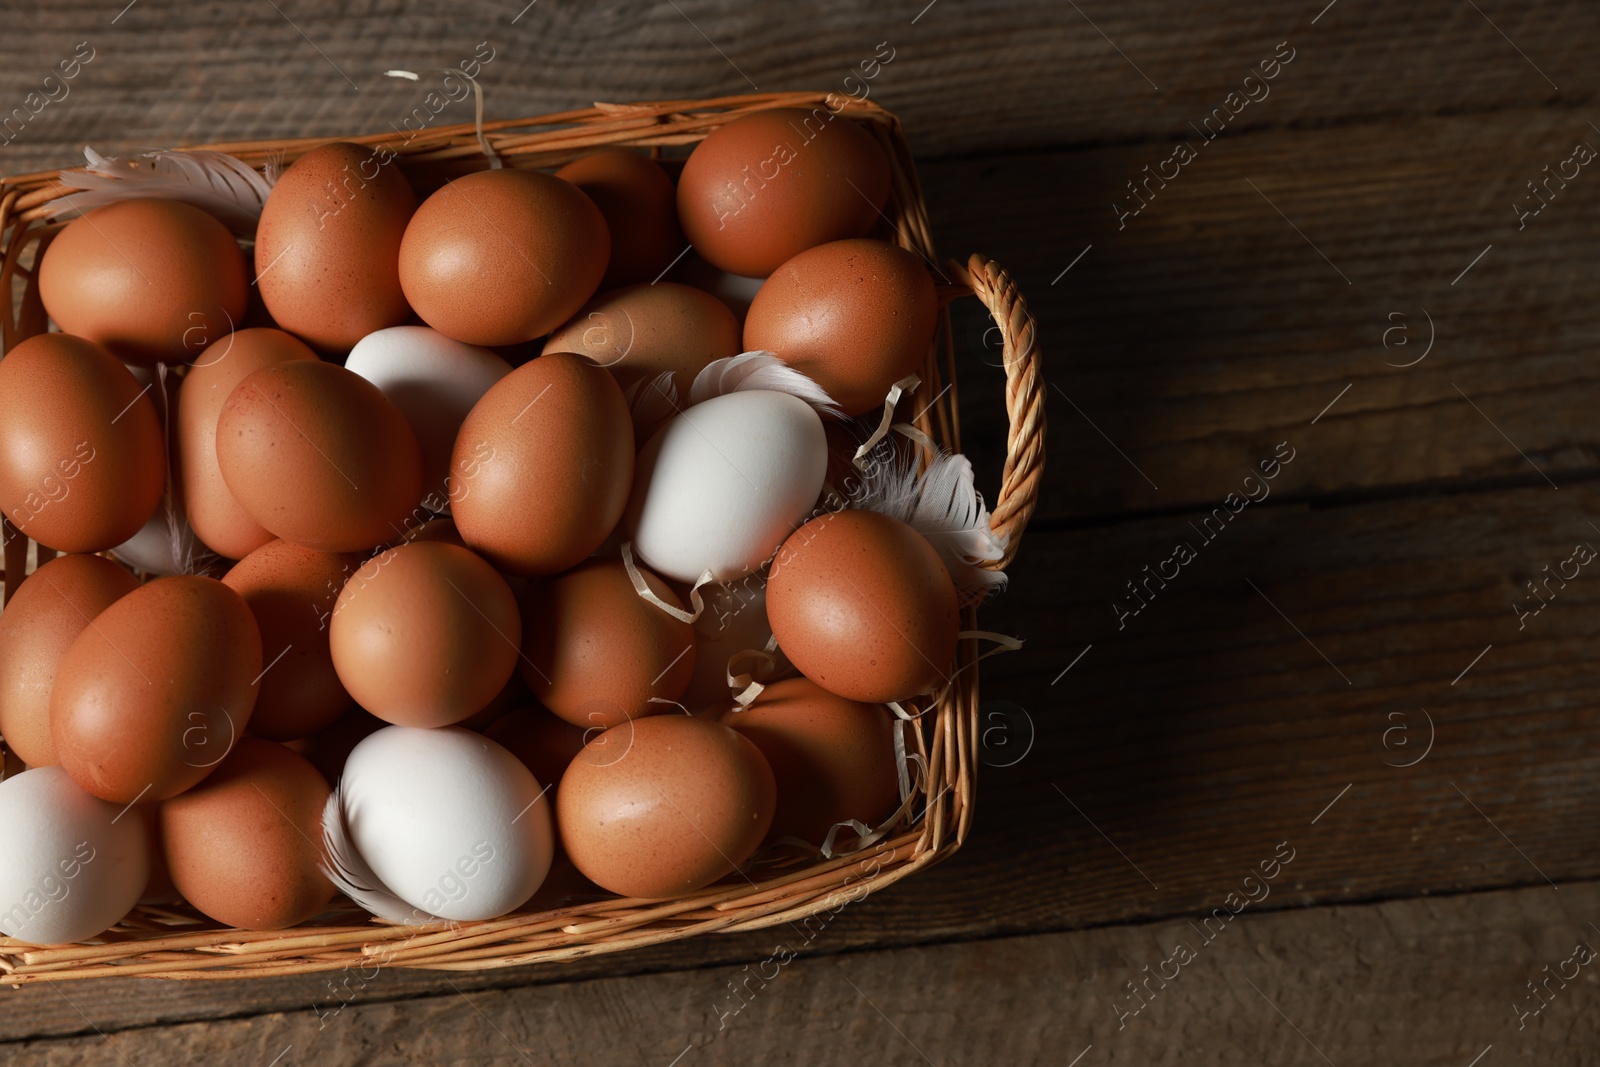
[1182,347]
[1432,982]
[968,78]
[1210,727]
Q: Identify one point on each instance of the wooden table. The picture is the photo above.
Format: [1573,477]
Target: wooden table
[1333,711]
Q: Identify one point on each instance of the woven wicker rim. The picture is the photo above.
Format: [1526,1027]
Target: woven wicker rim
[177,942]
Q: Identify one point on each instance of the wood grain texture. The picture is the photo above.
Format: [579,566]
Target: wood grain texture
[1434,983]
[1196,336]
[969,77]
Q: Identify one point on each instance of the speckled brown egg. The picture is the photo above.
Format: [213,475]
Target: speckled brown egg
[640,208]
[772,184]
[832,758]
[642,331]
[82,459]
[292,590]
[49,610]
[328,245]
[862,604]
[595,652]
[856,316]
[545,743]
[149,699]
[543,466]
[153,280]
[245,846]
[664,805]
[318,455]
[425,634]
[503,256]
[214,515]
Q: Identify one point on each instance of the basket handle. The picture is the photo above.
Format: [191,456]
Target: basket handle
[1024,469]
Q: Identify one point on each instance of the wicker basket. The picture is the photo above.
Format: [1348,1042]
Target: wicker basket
[176,942]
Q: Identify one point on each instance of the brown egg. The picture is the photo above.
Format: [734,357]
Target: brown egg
[856,316]
[245,846]
[664,805]
[319,456]
[149,699]
[432,530]
[832,758]
[82,459]
[543,742]
[772,184]
[216,517]
[153,280]
[643,331]
[862,604]
[595,652]
[47,613]
[292,590]
[425,634]
[503,256]
[640,208]
[328,246]
[543,466]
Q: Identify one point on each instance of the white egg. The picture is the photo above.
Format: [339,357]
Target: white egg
[71,865]
[447,820]
[434,380]
[723,483]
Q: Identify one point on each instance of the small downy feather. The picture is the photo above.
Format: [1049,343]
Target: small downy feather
[227,188]
[183,551]
[351,876]
[943,504]
[759,370]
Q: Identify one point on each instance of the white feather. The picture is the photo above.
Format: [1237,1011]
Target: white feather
[759,370]
[351,876]
[227,188]
[941,503]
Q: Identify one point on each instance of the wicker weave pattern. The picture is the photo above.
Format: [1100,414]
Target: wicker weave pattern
[177,942]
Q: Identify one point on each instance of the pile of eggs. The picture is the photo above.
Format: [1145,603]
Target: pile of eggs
[437,588]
